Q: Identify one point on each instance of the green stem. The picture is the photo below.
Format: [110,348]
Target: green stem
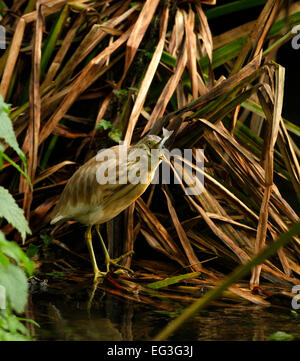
[236,275]
[6,157]
[30,6]
[49,151]
[52,39]
[232,7]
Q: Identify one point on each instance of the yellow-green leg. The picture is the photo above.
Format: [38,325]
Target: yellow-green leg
[108,260]
[88,239]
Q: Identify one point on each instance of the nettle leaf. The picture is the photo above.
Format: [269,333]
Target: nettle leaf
[32,250]
[13,250]
[6,129]
[8,336]
[120,92]
[1,152]
[280,336]
[14,280]
[116,135]
[105,124]
[12,328]
[13,213]
[3,259]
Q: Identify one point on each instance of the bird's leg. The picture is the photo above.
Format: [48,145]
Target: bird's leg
[108,260]
[88,238]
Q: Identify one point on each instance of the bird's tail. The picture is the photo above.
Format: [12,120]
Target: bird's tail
[56,219]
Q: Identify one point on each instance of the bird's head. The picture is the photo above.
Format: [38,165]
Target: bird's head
[150,141]
[154,141]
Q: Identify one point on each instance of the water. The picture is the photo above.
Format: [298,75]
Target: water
[69,316]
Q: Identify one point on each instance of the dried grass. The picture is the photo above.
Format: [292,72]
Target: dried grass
[104,49]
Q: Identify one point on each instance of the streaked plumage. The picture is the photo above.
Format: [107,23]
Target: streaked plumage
[88,202]
[91,203]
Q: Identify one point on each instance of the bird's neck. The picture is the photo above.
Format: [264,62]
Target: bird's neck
[144,147]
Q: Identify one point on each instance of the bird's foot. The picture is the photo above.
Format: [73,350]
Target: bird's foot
[115,262]
[98,274]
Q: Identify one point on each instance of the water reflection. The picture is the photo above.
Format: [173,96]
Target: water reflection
[68,317]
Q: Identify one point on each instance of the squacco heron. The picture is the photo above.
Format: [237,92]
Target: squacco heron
[106,185]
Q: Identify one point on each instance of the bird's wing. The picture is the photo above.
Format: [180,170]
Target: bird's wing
[92,184]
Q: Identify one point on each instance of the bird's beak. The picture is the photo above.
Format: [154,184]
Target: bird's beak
[166,136]
[160,144]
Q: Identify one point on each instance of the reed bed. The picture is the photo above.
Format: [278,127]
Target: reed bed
[83,75]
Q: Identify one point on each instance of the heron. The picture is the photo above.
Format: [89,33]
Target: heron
[105,186]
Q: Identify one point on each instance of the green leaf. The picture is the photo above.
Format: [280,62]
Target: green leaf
[49,46]
[120,92]
[167,59]
[11,327]
[280,336]
[32,250]
[8,336]
[3,260]
[46,239]
[134,3]
[13,250]
[13,213]
[115,134]
[1,155]
[135,90]
[7,130]
[232,7]
[105,124]
[14,280]
[19,169]
[257,109]
[172,280]
[294,313]
[15,326]
[29,321]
